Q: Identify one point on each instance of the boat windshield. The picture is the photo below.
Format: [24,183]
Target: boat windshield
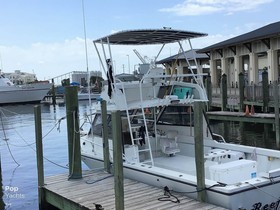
[177,115]
[97,125]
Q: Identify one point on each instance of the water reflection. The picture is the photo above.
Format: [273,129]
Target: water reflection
[251,134]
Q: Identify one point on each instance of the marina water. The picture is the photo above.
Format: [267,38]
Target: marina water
[18,149]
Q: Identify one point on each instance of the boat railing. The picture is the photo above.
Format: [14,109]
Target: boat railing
[219,138]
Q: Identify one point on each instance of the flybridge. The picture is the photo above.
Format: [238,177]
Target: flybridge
[146,37]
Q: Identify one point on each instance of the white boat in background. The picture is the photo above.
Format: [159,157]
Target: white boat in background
[29,93]
[83,94]
[157,122]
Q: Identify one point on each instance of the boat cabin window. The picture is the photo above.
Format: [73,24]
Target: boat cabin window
[177,115]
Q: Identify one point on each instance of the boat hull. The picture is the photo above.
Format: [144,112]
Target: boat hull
[254,197]
[85,96]
[24,94]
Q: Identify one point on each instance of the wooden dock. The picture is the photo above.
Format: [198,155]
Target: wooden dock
[242,117]
[96,191]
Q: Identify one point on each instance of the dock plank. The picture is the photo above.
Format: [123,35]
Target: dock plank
[98,188]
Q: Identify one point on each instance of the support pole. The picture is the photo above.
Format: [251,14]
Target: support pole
[105,136]
[39,154]
[199,152]
[118,160]
[224,92]
[73,130]
[276,111]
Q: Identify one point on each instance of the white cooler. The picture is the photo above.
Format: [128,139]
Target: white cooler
[233,172]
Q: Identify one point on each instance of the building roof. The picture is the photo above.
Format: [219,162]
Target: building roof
[267,31]
[190,54]
[148,36]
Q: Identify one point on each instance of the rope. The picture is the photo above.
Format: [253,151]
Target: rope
[30,144]
[168,196]
[74,142]
[11,154]
[262,190]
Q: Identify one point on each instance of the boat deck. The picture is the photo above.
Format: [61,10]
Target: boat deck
[176,162]
[97,188]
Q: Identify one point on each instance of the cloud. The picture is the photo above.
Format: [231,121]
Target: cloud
[205,7]
[47,60]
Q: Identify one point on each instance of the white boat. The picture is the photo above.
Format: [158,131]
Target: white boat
[158,135]
[84,95]
[29,93]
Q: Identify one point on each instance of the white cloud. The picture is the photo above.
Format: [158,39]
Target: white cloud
[204,7]
[47,60]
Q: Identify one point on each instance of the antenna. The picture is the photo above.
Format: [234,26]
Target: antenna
[86,51]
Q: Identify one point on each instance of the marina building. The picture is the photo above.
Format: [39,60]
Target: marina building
[18,77]
[178,64]
[250,53]
[82,76]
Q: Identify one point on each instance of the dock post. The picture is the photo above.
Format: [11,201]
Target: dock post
[209,91]
[53,93]
[265,89]
[224,92]
[118,160]
[73,130]
[105,136]
[199,150]
[39,154]
[241,91]
[276,112]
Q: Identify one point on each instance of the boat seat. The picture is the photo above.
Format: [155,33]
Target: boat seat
[169,143]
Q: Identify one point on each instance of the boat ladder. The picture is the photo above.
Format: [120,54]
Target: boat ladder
[140,135]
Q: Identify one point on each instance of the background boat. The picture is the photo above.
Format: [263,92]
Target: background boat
[29,93]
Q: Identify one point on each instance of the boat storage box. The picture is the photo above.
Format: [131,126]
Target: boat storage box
[233,172]
[131,153]
[182,92]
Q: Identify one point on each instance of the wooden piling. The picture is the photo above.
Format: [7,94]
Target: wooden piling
[53,93]
[241,91]
[39,154]
[209,91]
[265,89]
[199,153]
[276,112]
[118,160]
[224,92]
[105,136]
[73,130]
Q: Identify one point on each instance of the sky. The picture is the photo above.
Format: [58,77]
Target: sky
[47,37]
